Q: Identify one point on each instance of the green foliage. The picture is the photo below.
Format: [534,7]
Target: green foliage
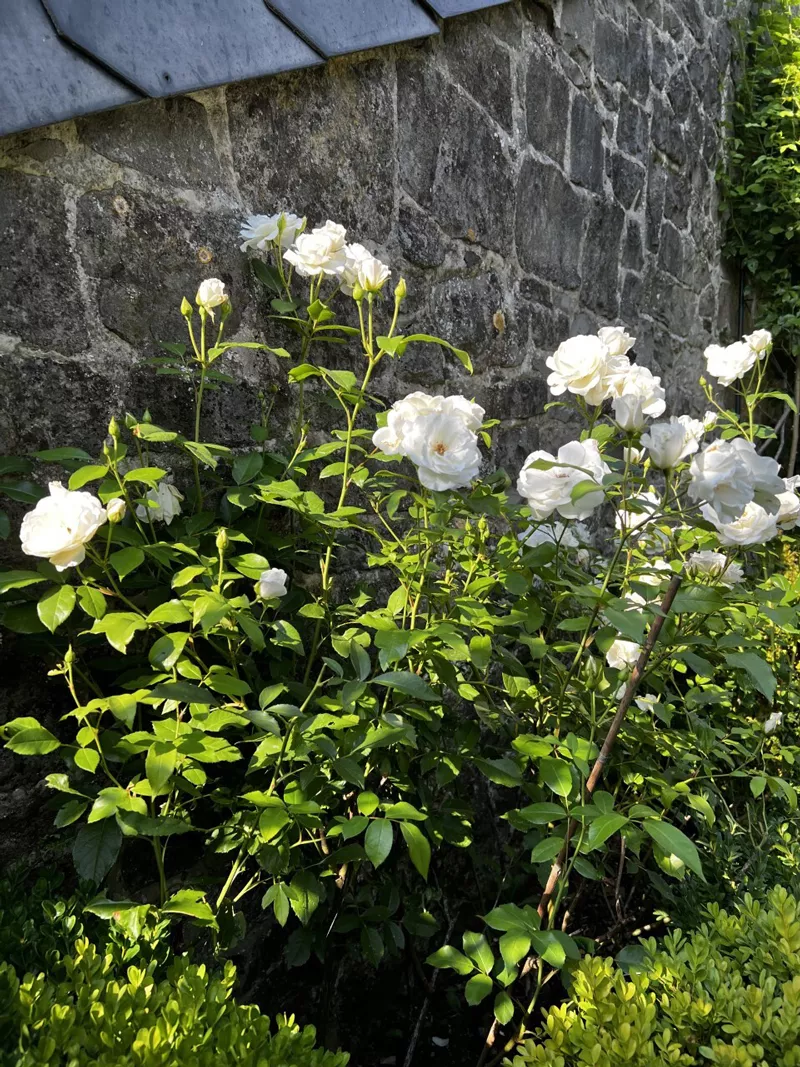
[728,994]
[761,181]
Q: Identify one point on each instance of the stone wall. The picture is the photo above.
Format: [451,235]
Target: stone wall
[534,172]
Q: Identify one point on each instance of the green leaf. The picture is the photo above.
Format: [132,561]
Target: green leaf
[246,468]
[601,829]
[547,850]
[514,946]
[408,683]
[170,612]
[126,560]
[511,917]
[87,759]
[167,650]
[96,849]
[419,848]
[185,693]
[59,455]
[277,896]
[30,738]
[119,628]
[478,988]
[503,1008]
[305,894]
[547,945]
[378,839]
[56,606]
[367,803]
[541,814]
[500,771]
[480,651]
[83,475]
[759,671]
[19,579]
[123,707]
[91,601]
[757,785]
[477,948]
[403,810]
[271,821]
[674,842]
[556,775]
[450,958]
[160,764]
[148,475]
[698,599]
[193,903]
[70,813]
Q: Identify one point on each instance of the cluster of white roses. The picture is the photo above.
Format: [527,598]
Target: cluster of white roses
[438,434]
[323,251]
[730,362]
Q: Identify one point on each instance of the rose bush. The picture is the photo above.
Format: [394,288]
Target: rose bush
[326,661]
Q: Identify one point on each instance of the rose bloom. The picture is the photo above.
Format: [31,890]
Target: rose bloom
[115,509]
[164,504]
[710,420]
[760,341]
[355,254]
[646,702]
[61,525]
[729,363]
[272,583]
[755,526]
[667,443]
[729,474]
[584,366]
[622,654]
[261,231]
[210,294]
[788,516]
[546,491]
[633,456]
[709,564]
[657,573]
[372,274]
[635,397]
[616,340]
[320,252]
[556,533]
[391,437]
[444,451]
[773,722]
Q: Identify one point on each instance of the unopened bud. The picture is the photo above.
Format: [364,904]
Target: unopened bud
[69,657]
[358,293]
[186,308]
[400,291]
[130,420]
[222,539]
[115,509]
[113,428]
[109,447]
[147,417]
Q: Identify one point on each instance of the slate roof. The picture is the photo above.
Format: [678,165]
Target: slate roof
[64,58]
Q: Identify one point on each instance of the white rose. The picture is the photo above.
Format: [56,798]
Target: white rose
[633,456]
[61,525]
[755,526]
[390,438]
[444,450]
[728,364]
[261,231]
[714,565]
[320,252]
[584,366]
[788,516]
[115,509]
[272,583]
[355,254]
[657,573]
[164,503]
[759,340]
[210,294]
[645,508]
[710,420]
[667,443]
[546,491]
[622,654]
[646,702]
[773,722]
[729,474]
[616,340]
[635,397]
[792,484]
[372,274]
[555,533]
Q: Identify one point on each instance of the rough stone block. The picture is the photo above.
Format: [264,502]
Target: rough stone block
[320,142]
[587,156]
[482,66]
[600,259]
[40,293]
[627,180]
[547,95]
[452,163]
[419,237]
[474,314]
[549,224]
[679,91]
[667,133]
[141,254]
[633,129]
[168,139]
[670,251]
[632,250]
